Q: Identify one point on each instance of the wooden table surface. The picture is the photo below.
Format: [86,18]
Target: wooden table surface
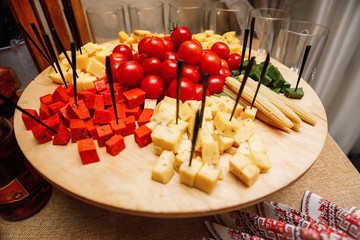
[332,176]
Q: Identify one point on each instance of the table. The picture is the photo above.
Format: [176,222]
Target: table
[332,176]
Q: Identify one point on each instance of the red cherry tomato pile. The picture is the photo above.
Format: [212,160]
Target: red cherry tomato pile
[154,67]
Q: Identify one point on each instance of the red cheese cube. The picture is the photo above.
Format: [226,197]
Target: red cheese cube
[44,111]
[60,95]
[63,135]
[87,98]
[81,94]
[28,121]
[120,89]
[53,122]
[70,90]
[108,99]
[47,99]
[87,151]
[120,109]
[100,85]
[134,97]
[142,136]
[92,90]
[78,130]
[55,107]
[104,133]
[118,128]
[136,111]
[96,102]
[79,111]
[65,116]
[102,116]
[91,127]
[145,116]
[115,145]
[41,134]
[130,125]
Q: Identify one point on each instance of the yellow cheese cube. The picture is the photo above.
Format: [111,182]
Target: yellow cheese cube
[181,125]
[224,126]
[209,125]
[150,103]
[245,149]
[256,143]
[234,47]
[231,102]
[135,47]
[65,62]
[87,82]
[82,61]
[166,137]
[62,55]
[163,116]
[216,105]
[180,158]
[194,104]
[101,56]
[158,150]
[243,168]
[185,145]
[207,178]
[163,170]
[231,150]
[188,173]
[165,105]
[249,113]
[229,34]
[262,161]
[224,143]
[245,131]
[201,37]
[140,34]
[56,77]
[63,68]
[210,152]
[207,114]
[185,111]
[209,33]
[96,68]
[90,48]
[123,36]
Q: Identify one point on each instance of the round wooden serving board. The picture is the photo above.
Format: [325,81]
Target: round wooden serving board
[123,183]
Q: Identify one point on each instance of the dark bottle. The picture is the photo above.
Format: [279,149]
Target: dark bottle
[23,192]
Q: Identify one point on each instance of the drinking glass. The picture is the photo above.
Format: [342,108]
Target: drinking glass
[224,18]
[268,22]
[187,13]
[291,42]
[106,22]
[147,15]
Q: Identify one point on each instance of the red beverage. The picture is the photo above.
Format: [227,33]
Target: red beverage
[23,192]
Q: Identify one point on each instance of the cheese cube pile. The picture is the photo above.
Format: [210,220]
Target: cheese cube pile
[218,135]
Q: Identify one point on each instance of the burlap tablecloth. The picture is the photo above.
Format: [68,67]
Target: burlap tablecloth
[332,176]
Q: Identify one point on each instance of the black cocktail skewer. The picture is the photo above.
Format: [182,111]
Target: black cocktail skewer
[73,58]
[263,71]
[243,52]
[40,40]
[111,83]
[307,50]
[251,35]
[203,97]
[242,86]
[180,64]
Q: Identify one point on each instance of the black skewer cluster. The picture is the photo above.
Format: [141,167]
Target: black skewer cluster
[73,57]
[252,26]
[70,18]
[180,64]
[9,102]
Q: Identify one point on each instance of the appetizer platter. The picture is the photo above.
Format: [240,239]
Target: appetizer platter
[123,182]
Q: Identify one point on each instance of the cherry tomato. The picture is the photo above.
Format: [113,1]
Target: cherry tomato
[187,89]
[153,86]
[225,72]
[171,55]
[139,57]
[215,84]
[221,49]
[180,35]
[197,42]
[154,47]
[199,91]
[168,71]
[190,52]
[130,73]
[190,73]
[168,43]
[206,51]
[234,60]
[123,49]
[210,63]
[141,43]
[115,60]
[224,63]
[151,66]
